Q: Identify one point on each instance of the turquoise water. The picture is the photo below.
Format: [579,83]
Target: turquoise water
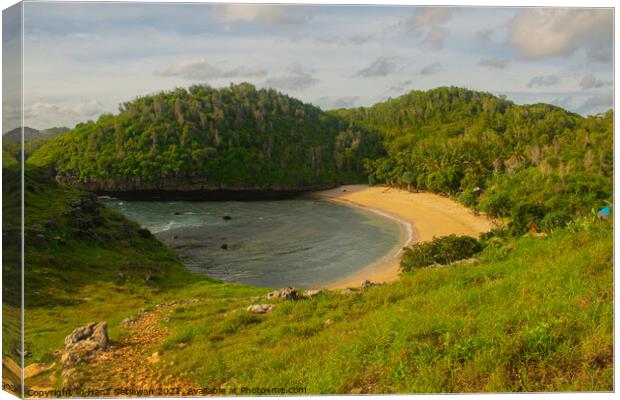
[302,242]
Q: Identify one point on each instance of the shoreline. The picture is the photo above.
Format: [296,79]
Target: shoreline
[421,217]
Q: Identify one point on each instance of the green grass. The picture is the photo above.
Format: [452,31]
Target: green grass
[537,318]
[100,277]
[534,315]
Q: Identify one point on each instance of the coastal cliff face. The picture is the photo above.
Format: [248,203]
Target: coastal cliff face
[184,187]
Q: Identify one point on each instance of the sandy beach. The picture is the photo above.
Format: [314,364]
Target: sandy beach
[422,216]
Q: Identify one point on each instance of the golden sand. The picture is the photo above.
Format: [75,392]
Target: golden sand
[422,216]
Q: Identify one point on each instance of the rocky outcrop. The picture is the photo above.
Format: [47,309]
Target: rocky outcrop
[181,187]
[288,293]
[260,308]
[81,345]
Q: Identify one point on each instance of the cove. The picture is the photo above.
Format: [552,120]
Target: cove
[300,242]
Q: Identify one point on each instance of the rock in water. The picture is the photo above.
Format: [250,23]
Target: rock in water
[260,308]
[226,217]
[288,293]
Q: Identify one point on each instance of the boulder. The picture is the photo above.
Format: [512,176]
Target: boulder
[83,342]
[226,217]
[288,293]
[260,308]
[308,294]
[153,358]
[367,284]
[96,332]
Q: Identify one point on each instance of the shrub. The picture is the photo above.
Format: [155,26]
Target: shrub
[467,198]
[497,204]
[524,215]
[442,250]
[555,220]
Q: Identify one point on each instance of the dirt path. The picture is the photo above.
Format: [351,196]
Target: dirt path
[130,364]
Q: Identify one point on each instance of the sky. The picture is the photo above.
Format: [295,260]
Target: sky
[84,59]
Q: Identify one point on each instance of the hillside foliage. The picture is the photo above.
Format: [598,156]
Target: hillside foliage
[232,137]
[490,153]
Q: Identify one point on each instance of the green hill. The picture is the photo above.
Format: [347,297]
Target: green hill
[33,139]
[490,153]
[534,315]
[236,138]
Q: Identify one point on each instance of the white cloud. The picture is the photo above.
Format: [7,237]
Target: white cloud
[44,114]
[598,103]
[204,70]
[548,80]
[496,63]
[266,13]
[430,69]
[381,66]
[297,78]
[426,24]
[591,82]
[538,33]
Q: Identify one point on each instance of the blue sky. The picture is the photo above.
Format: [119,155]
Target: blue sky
[83,59]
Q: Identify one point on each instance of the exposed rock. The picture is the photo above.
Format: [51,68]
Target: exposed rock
[154,358]
[226,217]
[18,352]
[145,233]
[96,332]
[308,294]
[367,284]
[224,246]
[328,322]
[83,342]
[260,308]
[182,345]
[37,369]
[288,293]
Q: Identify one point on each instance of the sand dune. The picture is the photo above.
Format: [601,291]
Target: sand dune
[422,216]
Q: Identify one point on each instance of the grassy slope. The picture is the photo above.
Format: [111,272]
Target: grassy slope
[69,285]
[538,317]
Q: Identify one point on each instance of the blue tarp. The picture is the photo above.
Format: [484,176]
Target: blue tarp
[604,211]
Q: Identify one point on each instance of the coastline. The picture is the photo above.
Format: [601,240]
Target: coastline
[421,217]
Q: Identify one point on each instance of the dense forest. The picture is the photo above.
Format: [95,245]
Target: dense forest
[230,138]
[524,162]
[493,155]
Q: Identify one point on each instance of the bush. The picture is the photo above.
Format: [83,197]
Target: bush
[524,215]
[442,250]
[555,220]
[497,204]
[467,198]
